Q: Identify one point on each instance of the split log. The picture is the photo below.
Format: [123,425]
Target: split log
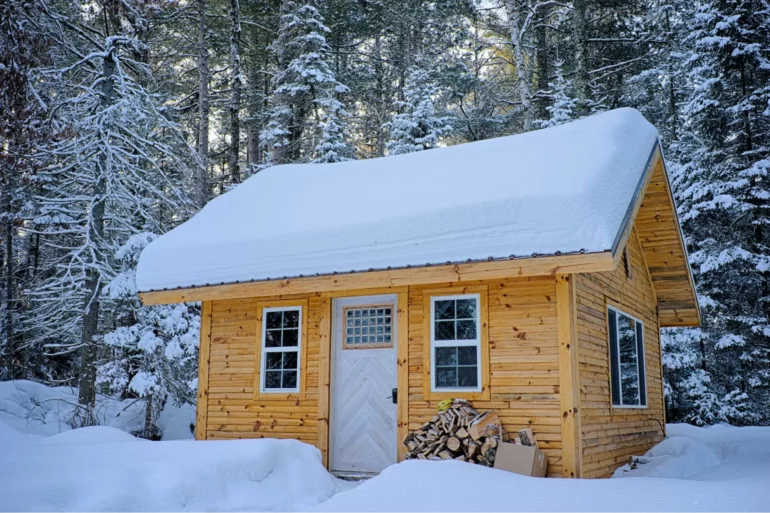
[457,432]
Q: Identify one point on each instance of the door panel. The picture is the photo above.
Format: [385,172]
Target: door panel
[363,416]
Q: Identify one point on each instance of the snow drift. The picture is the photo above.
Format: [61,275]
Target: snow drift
[37,409]
[562,189]
[720,468]
[104,469]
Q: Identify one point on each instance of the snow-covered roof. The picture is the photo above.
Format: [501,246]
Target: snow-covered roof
[565,189]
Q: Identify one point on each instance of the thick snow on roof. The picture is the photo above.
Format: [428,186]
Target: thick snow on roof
[564,189]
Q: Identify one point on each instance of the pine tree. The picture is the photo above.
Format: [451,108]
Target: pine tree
[562,106]
[306,78]
[720,184]
[154,349]
[120,167]
[417,127]
[332,146]
[22,49]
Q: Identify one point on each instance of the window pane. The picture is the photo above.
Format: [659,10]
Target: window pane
[445,330]
[273,360]
[468,377]
[446,356]
[629,366]
[273,320]
[272,379]
[290,337]
[466,309]
[467,355]
[466,330]
[446,377]
[273,338]
[289,360]
[445,309]
[290,379]
[291,319]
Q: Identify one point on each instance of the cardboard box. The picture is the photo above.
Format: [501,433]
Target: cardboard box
[521,459]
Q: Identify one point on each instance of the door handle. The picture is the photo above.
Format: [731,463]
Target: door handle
[394,395]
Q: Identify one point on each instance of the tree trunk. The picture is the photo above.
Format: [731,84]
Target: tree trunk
[253,154]
[581,56]
[236,83]
[541,61]
[525,94]
[382,108]
[93,286]
[203,107]
[10,305]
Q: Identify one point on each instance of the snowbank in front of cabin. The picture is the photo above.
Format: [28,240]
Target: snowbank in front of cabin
[37,409]
[720,468]
[105,469]
[562,189]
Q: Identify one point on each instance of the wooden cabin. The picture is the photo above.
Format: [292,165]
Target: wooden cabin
[529,274]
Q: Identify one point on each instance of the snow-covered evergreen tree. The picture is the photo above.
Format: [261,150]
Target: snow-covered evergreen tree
[417,126]
[153,349]
[304,77]
[120,167]
[332,146]
[720,180]
[563,105]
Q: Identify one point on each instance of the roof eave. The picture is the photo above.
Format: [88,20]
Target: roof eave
[453,273]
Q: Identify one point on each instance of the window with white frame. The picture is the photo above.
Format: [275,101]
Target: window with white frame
[281,336]
[629,381]
[455,343]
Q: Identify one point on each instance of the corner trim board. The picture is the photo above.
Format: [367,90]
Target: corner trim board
[569,382]
[204,361]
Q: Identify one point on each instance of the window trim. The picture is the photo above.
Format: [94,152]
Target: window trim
[641,357]
[453,290]
[455,343]
[298,393]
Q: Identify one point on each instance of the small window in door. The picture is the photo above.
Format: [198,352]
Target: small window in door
[368,327]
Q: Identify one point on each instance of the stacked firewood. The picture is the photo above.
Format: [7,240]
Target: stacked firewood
[458,432]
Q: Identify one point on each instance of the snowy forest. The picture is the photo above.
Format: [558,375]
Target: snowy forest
[119,119]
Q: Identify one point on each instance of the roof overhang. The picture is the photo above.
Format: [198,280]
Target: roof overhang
[449,273]
[653,214]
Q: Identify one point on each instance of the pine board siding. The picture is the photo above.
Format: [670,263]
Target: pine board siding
[235,409]
[611,435]
[658,228]
[523,358]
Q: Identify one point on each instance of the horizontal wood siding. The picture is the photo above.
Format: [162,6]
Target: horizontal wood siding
[523,357]
[611,435]
[233,409]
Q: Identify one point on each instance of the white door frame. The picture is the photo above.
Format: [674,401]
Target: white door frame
[336,304]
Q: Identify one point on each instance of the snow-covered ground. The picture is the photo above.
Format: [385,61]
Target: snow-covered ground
[104,469]
[37,409]
[45,465]
[720,468]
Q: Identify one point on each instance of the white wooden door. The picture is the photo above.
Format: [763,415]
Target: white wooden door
[363,415]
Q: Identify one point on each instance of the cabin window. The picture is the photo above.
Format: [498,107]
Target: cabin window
[281,336]
[455,343]
[629,381]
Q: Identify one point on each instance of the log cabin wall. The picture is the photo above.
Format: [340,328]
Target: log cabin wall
[523,359]
[611,435]
[522,379]
[231,406]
